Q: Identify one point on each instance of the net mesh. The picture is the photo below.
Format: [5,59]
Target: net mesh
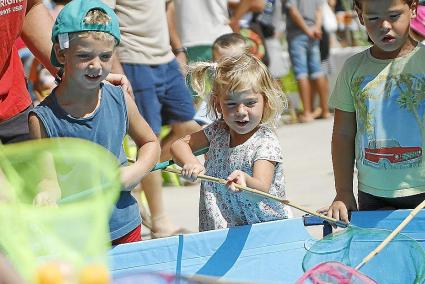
[153,278]
[401,261]
[334,273]
[56,196]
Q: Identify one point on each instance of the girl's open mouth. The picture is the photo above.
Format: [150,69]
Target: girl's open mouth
[242,123]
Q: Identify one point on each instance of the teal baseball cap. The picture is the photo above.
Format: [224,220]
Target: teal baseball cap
[71,20]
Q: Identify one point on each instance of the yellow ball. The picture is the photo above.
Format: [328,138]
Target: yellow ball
[49,273]
[94,274]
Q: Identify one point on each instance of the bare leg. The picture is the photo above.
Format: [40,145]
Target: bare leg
[152,183]
[146,217]
[316,111]
[152,186]
[322,87]
[304,89]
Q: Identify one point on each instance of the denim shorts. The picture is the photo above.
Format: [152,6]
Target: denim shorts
[160,93]
[304,53]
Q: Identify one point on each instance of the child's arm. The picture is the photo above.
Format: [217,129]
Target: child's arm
[49,191]
[343,143]
[8,274]
[182,152]
[147,145]
[36,128]
[261,179]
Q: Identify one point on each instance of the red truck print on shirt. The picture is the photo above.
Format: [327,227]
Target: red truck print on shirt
[389,154]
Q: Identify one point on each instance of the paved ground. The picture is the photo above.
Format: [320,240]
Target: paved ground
[308,170]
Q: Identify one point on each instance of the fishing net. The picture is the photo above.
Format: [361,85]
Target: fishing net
[56,197]
[153,278]
[334,273]
[401,261]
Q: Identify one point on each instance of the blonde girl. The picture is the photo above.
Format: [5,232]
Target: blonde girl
[243,148]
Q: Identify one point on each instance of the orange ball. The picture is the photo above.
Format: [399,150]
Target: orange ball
[94,274]
[49,273]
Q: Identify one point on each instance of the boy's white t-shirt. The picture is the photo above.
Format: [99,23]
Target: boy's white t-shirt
[200,22]
[144,31]
[388,97]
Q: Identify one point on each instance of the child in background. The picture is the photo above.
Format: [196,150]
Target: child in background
[417,24]
[242,145]
[226,45]
[379,115]
[85,35]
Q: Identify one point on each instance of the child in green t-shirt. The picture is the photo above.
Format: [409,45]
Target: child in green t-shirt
[380,114]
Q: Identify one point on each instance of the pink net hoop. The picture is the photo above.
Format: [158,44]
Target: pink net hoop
[334,272]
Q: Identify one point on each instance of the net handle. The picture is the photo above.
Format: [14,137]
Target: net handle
[163,165]
[391,236]
[265,194]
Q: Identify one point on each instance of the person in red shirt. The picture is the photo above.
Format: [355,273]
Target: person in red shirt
[15,101]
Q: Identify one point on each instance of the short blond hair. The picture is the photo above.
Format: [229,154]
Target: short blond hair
[236,74]
[96,16]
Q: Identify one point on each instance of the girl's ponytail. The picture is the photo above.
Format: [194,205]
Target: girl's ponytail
[200,77]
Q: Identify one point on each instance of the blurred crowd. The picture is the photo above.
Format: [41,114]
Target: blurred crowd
[263,25]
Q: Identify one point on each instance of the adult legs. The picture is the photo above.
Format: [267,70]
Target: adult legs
[152,183]
[162,98]
[319,81]
[304,89]
[321,85]
[298,47]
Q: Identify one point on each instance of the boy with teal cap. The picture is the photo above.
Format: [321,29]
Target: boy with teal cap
[84,37]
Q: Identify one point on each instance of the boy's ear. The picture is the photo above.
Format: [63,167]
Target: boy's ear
[60,53]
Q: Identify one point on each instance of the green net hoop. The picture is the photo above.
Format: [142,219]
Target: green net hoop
[401,261]
[38,225]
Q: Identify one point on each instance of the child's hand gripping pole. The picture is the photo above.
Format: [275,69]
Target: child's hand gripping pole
[264,194]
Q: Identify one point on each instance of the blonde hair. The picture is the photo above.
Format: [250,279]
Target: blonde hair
[96,16]
[236,74]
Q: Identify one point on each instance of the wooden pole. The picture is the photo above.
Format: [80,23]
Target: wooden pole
[265,194]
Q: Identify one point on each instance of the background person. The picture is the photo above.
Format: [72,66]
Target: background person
[304,30]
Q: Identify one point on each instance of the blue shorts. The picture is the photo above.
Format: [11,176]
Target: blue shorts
[160,93]
[304,53]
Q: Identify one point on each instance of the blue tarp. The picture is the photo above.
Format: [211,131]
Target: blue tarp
[264,253]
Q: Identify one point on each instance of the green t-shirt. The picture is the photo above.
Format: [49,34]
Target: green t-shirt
[388,97]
